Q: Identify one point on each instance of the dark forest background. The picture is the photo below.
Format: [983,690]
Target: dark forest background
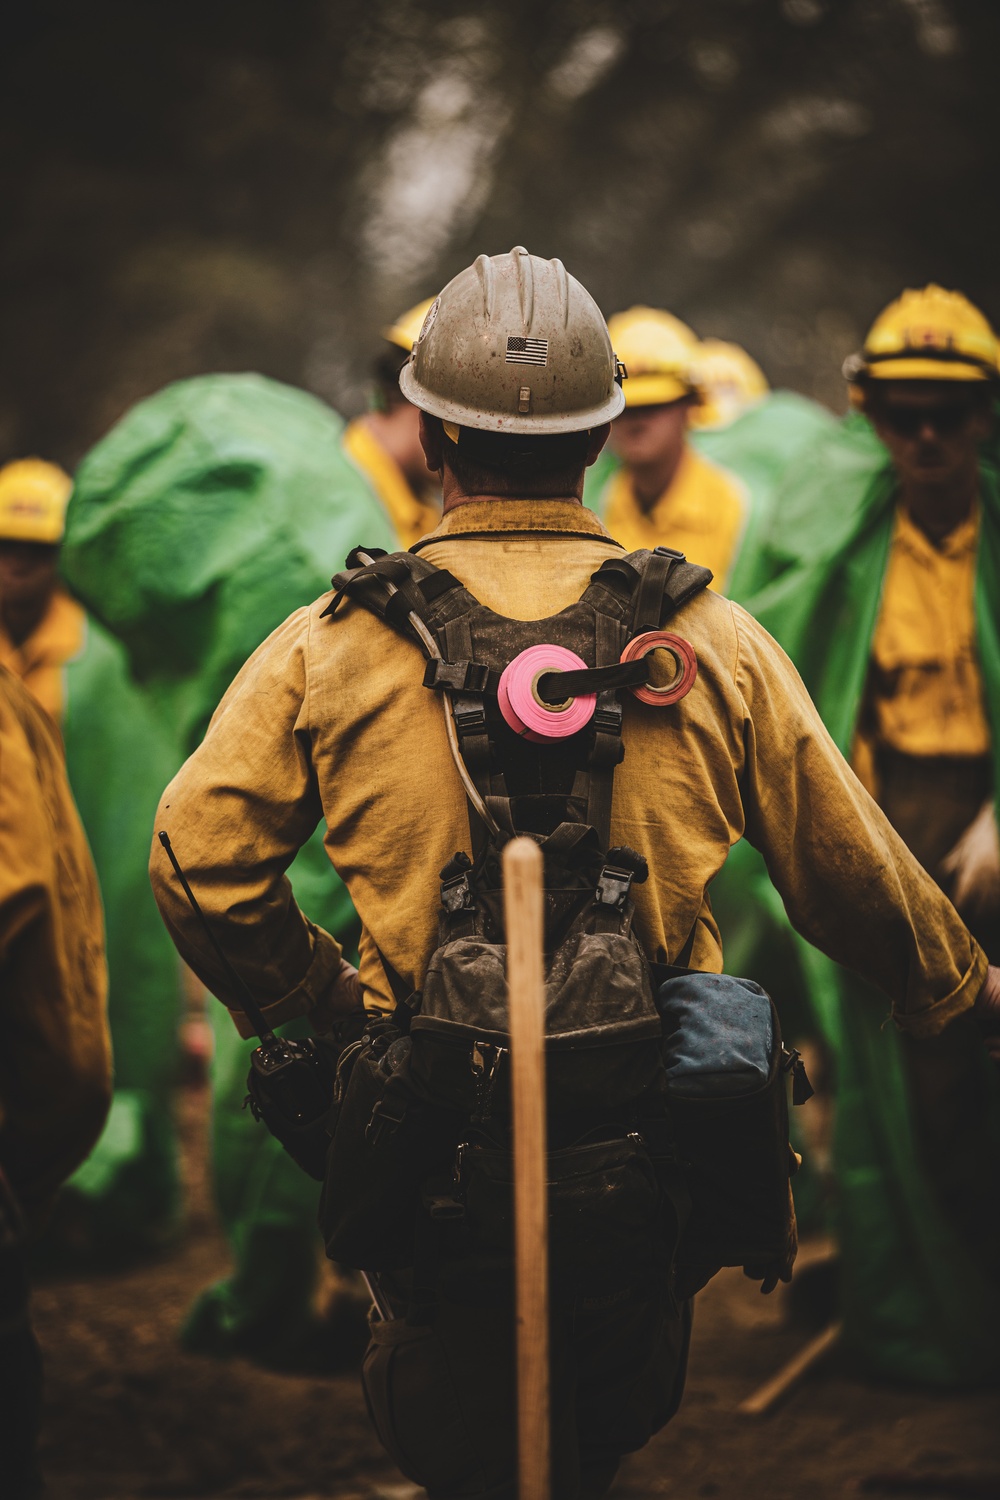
[260,184]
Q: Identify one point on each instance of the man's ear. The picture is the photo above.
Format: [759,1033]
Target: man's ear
[432,442]
[598,437]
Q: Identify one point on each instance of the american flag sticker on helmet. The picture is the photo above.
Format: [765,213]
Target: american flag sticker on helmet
[527,351]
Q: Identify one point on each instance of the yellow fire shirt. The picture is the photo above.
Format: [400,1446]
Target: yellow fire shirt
[39,661]
[925,688]
[703,514]
[329,720]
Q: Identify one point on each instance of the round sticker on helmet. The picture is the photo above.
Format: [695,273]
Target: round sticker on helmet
[428,322]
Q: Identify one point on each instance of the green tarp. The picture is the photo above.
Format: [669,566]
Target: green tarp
[197,525]
[119,762]
[917,1306]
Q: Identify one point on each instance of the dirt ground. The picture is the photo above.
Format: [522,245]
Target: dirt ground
[129,1415]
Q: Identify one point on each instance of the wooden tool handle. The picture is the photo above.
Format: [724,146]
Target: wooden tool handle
[523,915]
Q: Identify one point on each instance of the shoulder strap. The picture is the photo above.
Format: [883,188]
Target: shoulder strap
[630,595]
[417,587]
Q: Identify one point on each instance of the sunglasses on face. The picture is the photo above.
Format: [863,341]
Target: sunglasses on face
[908,421]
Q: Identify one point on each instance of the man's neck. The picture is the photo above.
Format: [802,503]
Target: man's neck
[938,509]
[650,481]
[454,497]
[21,621]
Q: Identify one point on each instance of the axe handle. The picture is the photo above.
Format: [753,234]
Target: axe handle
[523,898]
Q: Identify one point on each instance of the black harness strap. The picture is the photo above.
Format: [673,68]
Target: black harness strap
[608,750]
[553,687]
[647,611]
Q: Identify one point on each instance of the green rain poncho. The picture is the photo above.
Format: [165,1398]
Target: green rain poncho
[917,1306]
[118,760]
[206,516]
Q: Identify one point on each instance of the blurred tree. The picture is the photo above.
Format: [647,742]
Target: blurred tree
[236,185]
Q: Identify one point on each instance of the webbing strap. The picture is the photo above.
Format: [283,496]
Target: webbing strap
[553,687]
[648,608]
[608,749]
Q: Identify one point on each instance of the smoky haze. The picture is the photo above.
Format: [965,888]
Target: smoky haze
[230,186]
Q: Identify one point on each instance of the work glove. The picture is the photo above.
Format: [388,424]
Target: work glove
[974,864]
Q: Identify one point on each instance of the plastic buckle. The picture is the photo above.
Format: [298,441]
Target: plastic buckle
[670,552]
[456,676]
[470,718]
[382,1122]
[613,887]
[456,894]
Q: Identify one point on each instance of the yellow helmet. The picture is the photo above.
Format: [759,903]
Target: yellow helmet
[659,353]
[927,335]
[403,333]
[33,499]
[730,381]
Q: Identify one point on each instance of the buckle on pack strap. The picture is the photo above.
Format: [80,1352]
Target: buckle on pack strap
[469,716]
[457,676]
[456,895]
[613,887]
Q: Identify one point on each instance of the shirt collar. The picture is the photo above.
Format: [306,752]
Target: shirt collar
[957,544]
[548,517]
[57,638]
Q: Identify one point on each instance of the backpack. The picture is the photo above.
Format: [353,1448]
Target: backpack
[419,1168]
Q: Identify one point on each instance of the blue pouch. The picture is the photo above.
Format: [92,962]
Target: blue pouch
[718,1035]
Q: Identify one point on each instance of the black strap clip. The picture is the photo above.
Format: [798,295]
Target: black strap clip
[802,1089]
[613,887]
[456,676]
[470,717]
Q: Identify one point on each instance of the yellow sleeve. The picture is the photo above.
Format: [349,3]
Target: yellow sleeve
[55,1064]
[237,813]
[849,883]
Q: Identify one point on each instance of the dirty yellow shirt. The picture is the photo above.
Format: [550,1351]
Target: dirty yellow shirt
[926,688]
[412,516]
[39,661]
[55,1062]
[330,720]
[703,514]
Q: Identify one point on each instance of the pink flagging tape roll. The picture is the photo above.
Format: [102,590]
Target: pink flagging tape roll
[525,711]
[683,654]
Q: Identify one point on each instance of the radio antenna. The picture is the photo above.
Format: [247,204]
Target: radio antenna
[252,1010]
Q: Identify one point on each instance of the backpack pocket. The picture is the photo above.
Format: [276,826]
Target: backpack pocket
[385,1143]
[726,1096]
[605,1213]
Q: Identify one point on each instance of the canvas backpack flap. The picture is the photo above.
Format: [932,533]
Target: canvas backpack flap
[601,1024]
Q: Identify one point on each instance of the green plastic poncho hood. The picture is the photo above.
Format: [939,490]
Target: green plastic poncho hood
[207,515]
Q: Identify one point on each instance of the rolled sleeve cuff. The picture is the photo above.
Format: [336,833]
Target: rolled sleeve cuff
[932,1020]
[309,996]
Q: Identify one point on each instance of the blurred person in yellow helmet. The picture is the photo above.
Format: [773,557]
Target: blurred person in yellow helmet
[125,1197]
[730,381]
[666,493]
[884,560]
[41,627]
[385,443]
[926,379]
